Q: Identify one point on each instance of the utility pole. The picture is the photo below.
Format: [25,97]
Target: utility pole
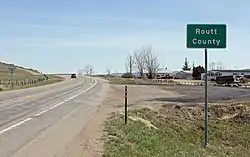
[130,66]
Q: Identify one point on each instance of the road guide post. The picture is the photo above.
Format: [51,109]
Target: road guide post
[206,36]
[126,104]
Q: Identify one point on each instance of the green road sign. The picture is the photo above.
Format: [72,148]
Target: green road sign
[206,36]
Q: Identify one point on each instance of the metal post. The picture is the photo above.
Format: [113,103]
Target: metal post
[130,66]
[126,104]
[206,104]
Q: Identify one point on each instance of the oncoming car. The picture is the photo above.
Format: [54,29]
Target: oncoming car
[73,76]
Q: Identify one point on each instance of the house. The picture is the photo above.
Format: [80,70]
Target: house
[182,74]
[116,74]
[161,74]
[212,74]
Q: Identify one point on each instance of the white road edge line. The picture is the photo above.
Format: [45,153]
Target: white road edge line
[15,125]
[52,107]
[42,112]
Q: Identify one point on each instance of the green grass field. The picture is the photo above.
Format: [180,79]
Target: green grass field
[174,135]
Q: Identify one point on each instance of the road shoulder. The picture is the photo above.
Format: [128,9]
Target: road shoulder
[90,140]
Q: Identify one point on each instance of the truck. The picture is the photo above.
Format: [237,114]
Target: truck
[230,81]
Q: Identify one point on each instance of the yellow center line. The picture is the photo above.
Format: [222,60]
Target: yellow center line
[29,96]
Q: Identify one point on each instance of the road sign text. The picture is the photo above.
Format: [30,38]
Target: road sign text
[206,36]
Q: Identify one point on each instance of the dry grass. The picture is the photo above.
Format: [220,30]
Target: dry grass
[179,132]
[19,73]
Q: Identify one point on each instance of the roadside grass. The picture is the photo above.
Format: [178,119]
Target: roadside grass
[18,74]
[21,73]
[119,80]
[187,80]
[52,79]
[175,136]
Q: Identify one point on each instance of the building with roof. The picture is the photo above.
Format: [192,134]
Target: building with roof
[182,74]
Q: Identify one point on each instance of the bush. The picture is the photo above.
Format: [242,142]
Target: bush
[126,75]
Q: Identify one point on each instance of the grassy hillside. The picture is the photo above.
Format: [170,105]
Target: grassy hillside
[23,78]
[19,72]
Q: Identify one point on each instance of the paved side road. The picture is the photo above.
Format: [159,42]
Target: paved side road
[42,122]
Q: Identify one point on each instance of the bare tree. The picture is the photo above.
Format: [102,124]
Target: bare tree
[151,62]
[139,61]
[108,71]
[80,72]
[129,64]
[88,69]
[219,66]
[212,66]
[216,66]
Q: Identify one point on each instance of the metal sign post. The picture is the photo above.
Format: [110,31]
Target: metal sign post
[206,104]
[126,103]
[206,36]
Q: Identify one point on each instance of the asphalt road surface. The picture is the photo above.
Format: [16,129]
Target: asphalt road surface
[41,121]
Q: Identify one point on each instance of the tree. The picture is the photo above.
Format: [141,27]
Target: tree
[197,71]
[151,62]
[126,75]
[212,66]
[216,66]
[80,72]
[186,65]
[129,64]
[219,66]
[91,70]
[88,69]
[139,61]
[144,59]
[108,71]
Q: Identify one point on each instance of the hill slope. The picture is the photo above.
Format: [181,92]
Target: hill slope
[19,72]
[24,78]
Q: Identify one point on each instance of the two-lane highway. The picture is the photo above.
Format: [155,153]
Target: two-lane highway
[42,121]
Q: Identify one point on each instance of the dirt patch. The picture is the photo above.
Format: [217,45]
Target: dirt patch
[239,113]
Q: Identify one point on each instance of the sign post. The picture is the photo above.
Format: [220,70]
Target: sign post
[126,104]
[206,36]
